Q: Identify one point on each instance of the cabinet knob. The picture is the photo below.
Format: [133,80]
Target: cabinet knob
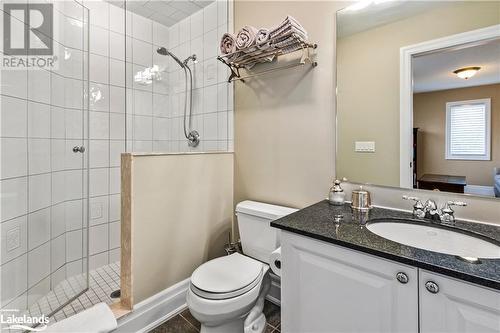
[402,277]
[432,287]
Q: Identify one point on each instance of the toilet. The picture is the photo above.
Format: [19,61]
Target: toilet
[226,294]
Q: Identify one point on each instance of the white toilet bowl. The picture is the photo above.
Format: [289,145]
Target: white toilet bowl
[225,290]
[226,295]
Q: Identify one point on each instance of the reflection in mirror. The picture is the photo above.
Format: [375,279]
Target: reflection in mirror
[403,65]
[456,119]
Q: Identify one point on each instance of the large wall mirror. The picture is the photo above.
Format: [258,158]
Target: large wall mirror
[418,95]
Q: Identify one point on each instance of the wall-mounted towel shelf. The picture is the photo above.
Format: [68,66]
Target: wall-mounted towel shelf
[267,52]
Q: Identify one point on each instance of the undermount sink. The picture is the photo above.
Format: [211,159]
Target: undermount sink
[437,239]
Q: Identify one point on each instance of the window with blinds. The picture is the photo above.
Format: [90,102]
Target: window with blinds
[468,130]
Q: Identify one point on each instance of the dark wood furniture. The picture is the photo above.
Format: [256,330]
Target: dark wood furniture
[445,183]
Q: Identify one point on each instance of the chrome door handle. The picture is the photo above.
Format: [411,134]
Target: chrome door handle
[78,149]
[432,287]
[402,277]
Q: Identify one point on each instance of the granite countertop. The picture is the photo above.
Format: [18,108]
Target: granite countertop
[339,225]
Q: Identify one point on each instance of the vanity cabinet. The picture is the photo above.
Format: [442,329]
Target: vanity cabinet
[328,288]
[450,305]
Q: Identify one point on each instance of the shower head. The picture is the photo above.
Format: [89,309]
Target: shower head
[165,52]
[162,51]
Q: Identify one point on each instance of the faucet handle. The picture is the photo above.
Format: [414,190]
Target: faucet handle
[405,197]
[418,207]
[447,213]
[456,203]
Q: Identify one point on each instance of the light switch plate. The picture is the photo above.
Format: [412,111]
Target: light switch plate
[364,146]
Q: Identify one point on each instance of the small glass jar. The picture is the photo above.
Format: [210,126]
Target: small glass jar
[336,195]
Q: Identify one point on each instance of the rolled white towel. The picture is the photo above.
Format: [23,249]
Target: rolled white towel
[228,43]
[246,37]
[97,319]
[262,35]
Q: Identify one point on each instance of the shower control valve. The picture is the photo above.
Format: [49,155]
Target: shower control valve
[78,149]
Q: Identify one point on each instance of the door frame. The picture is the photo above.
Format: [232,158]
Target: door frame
[406,54]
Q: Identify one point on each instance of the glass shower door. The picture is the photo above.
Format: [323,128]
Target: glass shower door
[44,165]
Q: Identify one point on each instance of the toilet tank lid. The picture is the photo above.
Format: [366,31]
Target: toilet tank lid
[263,210]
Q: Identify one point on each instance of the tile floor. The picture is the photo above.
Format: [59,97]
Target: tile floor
[103,281]
[184,322]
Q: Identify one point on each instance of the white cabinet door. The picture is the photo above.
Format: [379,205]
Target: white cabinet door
[457,306]
[328,288]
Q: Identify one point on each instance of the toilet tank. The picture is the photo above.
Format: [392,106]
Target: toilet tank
[258,238]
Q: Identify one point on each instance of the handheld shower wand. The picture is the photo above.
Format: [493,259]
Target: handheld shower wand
[192,135]
[165,52]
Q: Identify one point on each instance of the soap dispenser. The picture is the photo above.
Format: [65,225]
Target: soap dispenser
[337,195]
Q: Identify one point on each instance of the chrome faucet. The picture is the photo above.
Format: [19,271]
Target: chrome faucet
[430,210]
[447,213]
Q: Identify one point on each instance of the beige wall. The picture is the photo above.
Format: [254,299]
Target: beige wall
[284,122]
[429,114]
[368,89]
[181,208]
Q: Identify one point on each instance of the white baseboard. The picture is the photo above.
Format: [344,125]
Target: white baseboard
[155,310]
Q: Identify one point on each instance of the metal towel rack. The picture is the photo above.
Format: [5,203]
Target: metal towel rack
[267,52]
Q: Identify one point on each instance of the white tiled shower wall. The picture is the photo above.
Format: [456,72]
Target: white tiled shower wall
[42,180]
[155,111]
[42,184]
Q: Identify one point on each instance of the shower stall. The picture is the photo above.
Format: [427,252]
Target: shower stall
[44,166]
[94,79]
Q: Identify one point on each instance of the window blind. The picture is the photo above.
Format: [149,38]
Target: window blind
[468,130]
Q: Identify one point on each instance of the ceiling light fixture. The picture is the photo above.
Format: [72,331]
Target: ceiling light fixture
[466,72]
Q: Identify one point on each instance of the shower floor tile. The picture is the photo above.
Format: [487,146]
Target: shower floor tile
[102,282]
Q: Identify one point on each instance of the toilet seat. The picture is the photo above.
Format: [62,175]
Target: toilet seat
[226,277]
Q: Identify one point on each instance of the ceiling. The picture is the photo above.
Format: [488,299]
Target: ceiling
[373,13]
[434,71]
[166,12]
